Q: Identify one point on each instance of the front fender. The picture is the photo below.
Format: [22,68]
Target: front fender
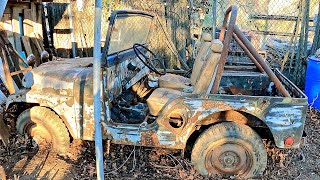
[17,97]
[59,104]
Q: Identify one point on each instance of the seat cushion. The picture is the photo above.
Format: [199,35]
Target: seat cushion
[160,97]
[207,73]
[200,58]
[173,81]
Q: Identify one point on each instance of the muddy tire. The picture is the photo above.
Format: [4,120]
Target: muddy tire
[45,127]
[230,149]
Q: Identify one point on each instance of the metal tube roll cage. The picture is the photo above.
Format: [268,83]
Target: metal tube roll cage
[234,31]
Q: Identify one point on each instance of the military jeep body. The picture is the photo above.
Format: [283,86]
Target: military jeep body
[145,106]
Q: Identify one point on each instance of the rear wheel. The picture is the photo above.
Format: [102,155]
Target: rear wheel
[45,127]
[230,149]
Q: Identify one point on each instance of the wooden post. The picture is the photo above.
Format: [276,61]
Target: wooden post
[27,22]
[34,16]
[26,43]
[39,21]
[16,28]
[7,25]
[8,78]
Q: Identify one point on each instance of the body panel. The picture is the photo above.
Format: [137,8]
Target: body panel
[66,88]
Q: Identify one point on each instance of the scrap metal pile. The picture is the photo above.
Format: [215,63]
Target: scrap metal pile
[278,49]
[13,67]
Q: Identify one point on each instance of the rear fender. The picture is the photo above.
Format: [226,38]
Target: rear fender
[192,111]
[284,118]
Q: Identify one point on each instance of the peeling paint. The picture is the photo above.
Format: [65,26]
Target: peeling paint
[67,89]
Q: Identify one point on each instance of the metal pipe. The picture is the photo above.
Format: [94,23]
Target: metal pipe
[71,26]
[295,38]
[306,31]
[260,60]
[316,39]
[3,4]
[295,33]
[245,49]
[226,38]
[301,52]
[214,18]
[97,89]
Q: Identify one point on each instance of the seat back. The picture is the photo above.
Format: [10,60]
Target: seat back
[200,58]
[206,73]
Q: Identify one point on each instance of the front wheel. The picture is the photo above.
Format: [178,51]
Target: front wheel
[45,127]
[229,149]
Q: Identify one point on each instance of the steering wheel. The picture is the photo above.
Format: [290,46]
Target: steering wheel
[150,63]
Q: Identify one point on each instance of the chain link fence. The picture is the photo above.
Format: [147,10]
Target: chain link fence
[168,38]
[281,30]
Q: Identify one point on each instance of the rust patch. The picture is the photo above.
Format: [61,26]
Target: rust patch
[70,102]
[149,139]
[121,141]
[208,104]
[51,90]
[238,91]
[211,118]
[88,129]
[236,117]
[242,109]
[66,92]
[195,117]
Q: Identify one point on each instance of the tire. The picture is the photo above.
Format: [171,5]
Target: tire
[45,127]
[228,149]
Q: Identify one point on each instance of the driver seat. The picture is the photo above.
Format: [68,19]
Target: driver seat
[162,96]
[173,81]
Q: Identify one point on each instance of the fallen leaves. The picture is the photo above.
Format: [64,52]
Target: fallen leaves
[129,162]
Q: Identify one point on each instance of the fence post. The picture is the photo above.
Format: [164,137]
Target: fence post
[97,89]
[316,40]
[302,46]
[73,41]
[214,18]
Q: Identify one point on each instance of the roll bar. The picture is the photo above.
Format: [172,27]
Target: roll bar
[234,31]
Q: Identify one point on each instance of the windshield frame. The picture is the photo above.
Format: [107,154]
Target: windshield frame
[112,21]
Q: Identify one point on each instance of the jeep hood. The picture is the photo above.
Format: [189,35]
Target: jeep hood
[60,77]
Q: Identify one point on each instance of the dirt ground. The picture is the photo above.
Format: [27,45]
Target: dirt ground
[22,160]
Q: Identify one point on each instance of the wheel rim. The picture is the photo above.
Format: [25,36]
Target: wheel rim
[40,135]
[228,158]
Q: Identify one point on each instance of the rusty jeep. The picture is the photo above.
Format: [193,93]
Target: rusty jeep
[220,114]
